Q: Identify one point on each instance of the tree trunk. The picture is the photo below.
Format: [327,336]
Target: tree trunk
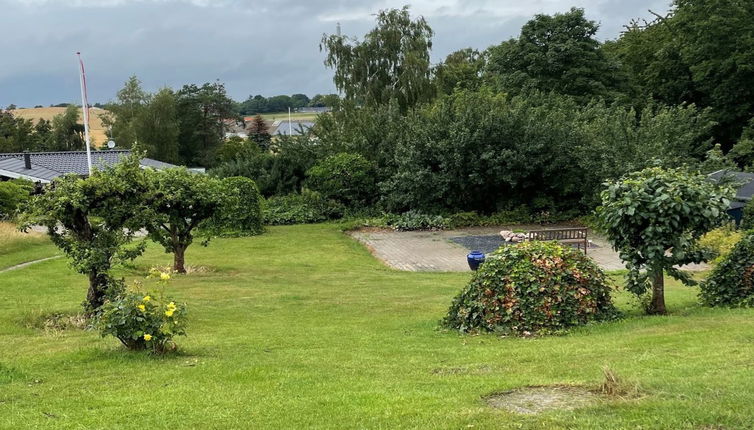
[179,258]
[97,290]
[657,306]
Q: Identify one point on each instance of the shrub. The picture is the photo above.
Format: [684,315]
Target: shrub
[532,287]
[414,220]
[307,207]
[241,211]
[731,282]
[12,195]
[747,219]
[143,320]
[720,242]
[346,178]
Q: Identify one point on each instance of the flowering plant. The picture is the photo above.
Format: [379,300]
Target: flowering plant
[144,320]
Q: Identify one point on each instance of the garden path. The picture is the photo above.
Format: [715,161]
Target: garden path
[435,251]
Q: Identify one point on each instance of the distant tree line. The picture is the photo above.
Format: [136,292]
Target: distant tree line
[259,104]
[62,133]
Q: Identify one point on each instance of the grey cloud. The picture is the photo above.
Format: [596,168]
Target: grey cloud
[256,47]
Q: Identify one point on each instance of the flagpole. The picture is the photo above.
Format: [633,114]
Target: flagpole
[290,125]
[85,109]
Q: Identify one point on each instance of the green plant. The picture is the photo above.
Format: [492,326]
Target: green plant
[415,220]
[654,218]
[532,287]
[143,320]
[13,195]
[747,220]
[344,177]
[720,242]
[241,210]
[178,203]
[731,282]
[304,208]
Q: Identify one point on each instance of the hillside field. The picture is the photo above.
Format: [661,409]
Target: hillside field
[97,131]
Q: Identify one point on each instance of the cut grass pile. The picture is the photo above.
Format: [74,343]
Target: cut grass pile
[302,328]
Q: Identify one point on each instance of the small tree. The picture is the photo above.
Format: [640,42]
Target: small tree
[180,201]
[654,218]
[93,220]
[259,133]
[344,177]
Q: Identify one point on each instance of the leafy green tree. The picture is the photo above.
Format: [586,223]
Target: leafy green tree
[299,100]
[259,133]
[344,177]
[654,219]
[554,53]
[743,151]
[460,70]
[128,106]
[392,62]
[201,112]
[16,134]
[324,100]
[179,202]
[67,133]
[93,220]
[14,194]
[241,212]
[156,127]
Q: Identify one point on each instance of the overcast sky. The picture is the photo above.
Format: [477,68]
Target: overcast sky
[264,47]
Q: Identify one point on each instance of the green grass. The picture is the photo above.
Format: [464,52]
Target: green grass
[294,115]
[302,328]
[17,247]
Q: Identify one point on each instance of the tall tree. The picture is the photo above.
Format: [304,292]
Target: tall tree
[156,126]
[67,133]
[201,113]
[128,105]
[554,53]
[461,69]
[259,133]
[392,62]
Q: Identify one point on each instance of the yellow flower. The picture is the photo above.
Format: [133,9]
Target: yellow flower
[164,276]
[141,308]
[169,312]
[147,337]
[147,298]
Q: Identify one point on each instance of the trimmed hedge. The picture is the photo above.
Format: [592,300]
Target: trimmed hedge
[532,287]
[731,282]
[241,214]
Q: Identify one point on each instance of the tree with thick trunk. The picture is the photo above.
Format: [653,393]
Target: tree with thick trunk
[654,218]
[92,220]
[179,202]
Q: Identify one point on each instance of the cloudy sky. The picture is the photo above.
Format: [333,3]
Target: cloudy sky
[264,47]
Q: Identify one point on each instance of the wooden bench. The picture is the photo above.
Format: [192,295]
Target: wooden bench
[562,235]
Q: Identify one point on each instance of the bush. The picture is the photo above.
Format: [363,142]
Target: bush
[307,207]
[241,213]
[747,219]
[532,287]
[414,220]
[720,242]
[731,282]
[12,195]
[143,320]
[346,178]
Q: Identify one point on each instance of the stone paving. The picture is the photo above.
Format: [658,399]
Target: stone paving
[434,251]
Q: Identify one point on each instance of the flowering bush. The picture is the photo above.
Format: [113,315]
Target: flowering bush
[143,320]
[532,287]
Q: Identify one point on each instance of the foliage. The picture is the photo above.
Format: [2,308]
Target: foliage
[259,104]
[554,53]
[178,202]
[414,220]
[344,177]
[92,220]
[304,208]
[144,320]
[241,211]
[156,127]
[129,103]
[461,70]
[14,194]
[720,242]
[391,63]
[747,220]
[259,133]
[731,282]
[532,287]
[654,218]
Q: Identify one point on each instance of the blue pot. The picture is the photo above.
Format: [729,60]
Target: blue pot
[475,259]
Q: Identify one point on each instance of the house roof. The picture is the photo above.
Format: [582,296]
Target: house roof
[46,166]
[744,182]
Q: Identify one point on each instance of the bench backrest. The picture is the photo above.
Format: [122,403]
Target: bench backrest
[558,234]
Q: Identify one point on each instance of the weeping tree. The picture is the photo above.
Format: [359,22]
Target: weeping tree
[93,221]
[653,218]
[179,202]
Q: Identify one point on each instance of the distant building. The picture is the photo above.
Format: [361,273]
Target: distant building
[316,109]
[46,166]
[744,183]
[296,128]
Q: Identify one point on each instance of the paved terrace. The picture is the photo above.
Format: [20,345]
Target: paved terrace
[435,251]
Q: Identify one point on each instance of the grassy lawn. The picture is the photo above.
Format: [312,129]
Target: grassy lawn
[302,328]
[17,247]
